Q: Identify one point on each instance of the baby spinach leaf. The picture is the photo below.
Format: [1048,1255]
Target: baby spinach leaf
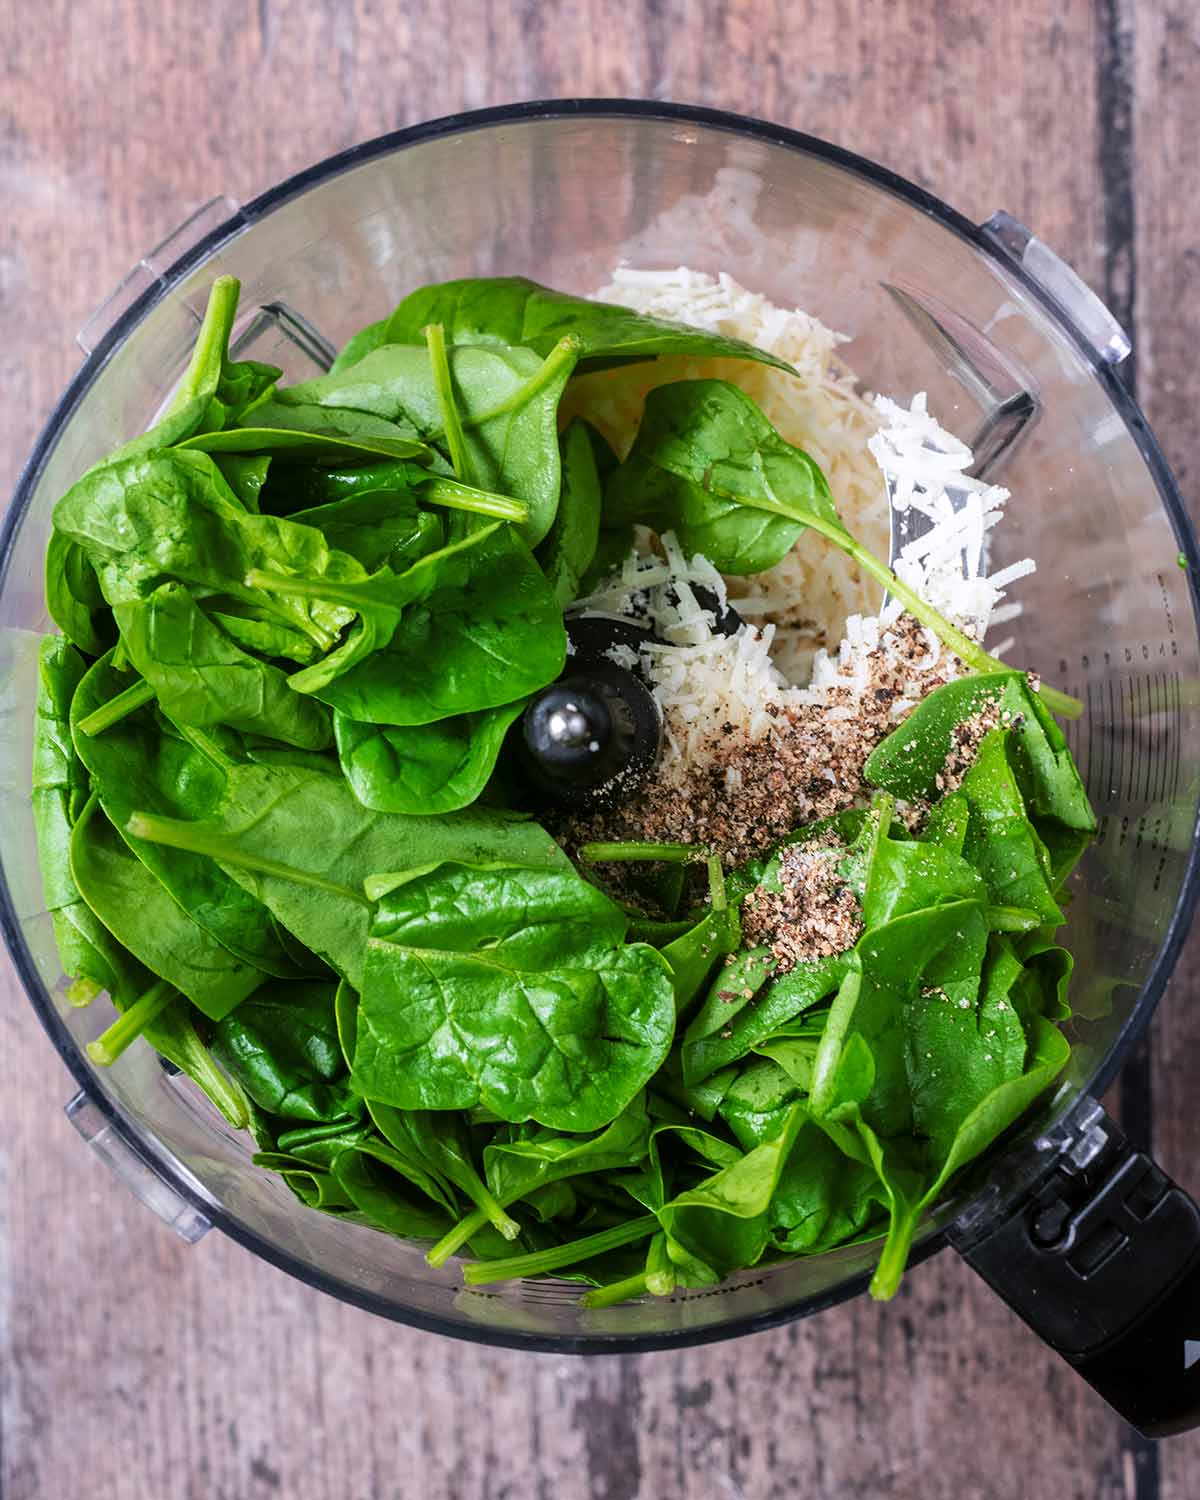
[708,465]
[174,1037]
[731,1022]
[213,389]
[567,550]
[296,838]
[693,955]
[135,764]
[470,627]
[724,1222]
[86,949]
[254,631]
[281,1046]
[518,1168]
[508,310]
[377,527]
[507,400]
[424,768]
[442,1141]
[823,1198]
[910,759]
[979,1129]
[170,515]
[201,677]
[1001,842]
[73,597]
[510,988]
[758,1101]
[145,918]
[313,432]
[245,474]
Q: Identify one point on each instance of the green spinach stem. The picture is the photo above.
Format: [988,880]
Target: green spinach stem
[455,495]
[109,1045]
[894,1257]
[443,384]
[81,992]
[716,883]
[206,745]
[480,1272]
[626,851]
[616,1291]
[126,702]
[180,833]
[454,1239]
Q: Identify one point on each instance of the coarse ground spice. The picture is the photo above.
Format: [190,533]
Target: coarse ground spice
[741,796]
[814,914]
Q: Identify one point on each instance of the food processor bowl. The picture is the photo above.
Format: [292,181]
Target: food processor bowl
[1017,358]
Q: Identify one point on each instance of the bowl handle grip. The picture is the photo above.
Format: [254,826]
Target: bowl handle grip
[1100,1255]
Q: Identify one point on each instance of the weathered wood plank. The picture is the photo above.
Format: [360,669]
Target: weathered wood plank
[1166,56]
[134,1368]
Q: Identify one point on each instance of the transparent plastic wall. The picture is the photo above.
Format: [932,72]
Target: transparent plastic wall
[927,306]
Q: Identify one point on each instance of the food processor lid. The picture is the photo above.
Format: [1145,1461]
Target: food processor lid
[1033,1160]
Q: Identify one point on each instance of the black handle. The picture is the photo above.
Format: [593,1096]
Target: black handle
[1100,1255]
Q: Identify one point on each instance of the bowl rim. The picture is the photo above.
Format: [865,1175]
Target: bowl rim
[146,1148]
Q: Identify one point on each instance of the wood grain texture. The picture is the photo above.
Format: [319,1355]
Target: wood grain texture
[132,1368]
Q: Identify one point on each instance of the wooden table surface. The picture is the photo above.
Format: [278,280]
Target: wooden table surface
[134,1368]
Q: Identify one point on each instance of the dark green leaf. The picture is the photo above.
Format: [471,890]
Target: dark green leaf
[508,310]
[145,918]
[200,677]
[425,768]
[510,988]
[567,551]
[708,465]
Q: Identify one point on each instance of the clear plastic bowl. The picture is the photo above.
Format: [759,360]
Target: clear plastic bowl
[1015,355]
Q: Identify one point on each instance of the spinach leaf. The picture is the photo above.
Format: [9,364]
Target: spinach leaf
[281,1046]
[511,310]
[73,597]
[694,954]
[135,764]
[365,341]
[145,918]
[735,1016]
[507,401]
[313,432]
[213,390]
[510,988]
[377,527]
[245,474]
[823,1198]
[442,1142]
[568,548]
[424,768]
[174,1037]
[705,459]
[518,1168]
[295,837]
[254,630]
[724,1223]
[88,952]
[201,677]
[910,759]
[168,516]
[1001,842]
[470,627]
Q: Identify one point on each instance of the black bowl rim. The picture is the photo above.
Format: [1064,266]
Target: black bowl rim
[146,1149]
